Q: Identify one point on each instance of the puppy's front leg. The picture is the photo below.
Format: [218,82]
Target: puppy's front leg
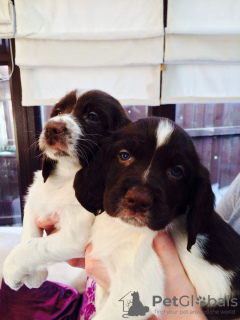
[30,229]
[31,256]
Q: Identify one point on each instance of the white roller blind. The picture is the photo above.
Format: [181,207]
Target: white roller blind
[115,46]
[203,17]
[89,20]
[118,46]
[6,19]
[130,84]
[84,53]
[5,12]
[201,83]
[202,52]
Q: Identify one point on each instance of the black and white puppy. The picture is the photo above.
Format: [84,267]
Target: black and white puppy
[151,179]
[70,138]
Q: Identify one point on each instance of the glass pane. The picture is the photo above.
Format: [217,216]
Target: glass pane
[215,130]
[10,212]
[136,112]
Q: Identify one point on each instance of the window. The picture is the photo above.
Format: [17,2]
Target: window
[10,211]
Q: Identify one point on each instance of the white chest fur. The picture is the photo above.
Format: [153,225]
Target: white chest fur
[208,279]
[52,196]
[131,262]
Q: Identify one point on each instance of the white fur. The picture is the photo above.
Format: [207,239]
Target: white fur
[75,131]
[133,265]
[131,262]
[27,263]
[163,133]
[145,175]
[164,130]
[208,279]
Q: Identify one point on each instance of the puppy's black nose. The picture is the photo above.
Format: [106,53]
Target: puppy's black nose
[138,199]
[55,128]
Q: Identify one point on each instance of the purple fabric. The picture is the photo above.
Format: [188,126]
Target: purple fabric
[50,301]
[88,309]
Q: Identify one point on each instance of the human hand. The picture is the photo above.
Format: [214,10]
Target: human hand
[48,224]
[177,283]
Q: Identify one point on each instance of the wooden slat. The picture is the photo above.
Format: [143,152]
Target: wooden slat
[198,145]
[188,117]
[207,151]
[215,159]
[208,115]
[236,119]
[199,111]
[224,177]
[218,115]
[213,131]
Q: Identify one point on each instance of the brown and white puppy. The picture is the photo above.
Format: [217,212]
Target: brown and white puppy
[151,179]
[69,140]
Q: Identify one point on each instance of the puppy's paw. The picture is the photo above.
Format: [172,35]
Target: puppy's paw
[11,274]
[16,266]
[35,279]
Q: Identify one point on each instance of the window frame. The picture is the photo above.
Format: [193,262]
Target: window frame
[27,126]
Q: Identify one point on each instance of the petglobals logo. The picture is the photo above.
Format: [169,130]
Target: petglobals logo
[186,301]
[132,305]
[189,301]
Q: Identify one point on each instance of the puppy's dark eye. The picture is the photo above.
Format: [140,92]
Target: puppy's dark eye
[176,171]
[92,116]
[124,156]
[58,111]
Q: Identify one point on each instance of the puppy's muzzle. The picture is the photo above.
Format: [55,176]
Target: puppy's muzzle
[54,131]
[137,200]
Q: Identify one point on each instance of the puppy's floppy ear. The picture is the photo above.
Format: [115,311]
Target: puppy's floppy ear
[121,122]
[89,182]
[48,165]
[201,206]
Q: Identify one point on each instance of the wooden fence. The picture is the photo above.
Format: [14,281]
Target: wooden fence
[215,129]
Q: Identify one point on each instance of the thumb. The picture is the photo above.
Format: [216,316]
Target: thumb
[47,223]
[165,249]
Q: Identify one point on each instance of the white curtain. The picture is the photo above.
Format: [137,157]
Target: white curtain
[7,22]
[115,46]
[202,52]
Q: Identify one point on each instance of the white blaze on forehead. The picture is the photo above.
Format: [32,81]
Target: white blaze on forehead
[145,175]
[164,131]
